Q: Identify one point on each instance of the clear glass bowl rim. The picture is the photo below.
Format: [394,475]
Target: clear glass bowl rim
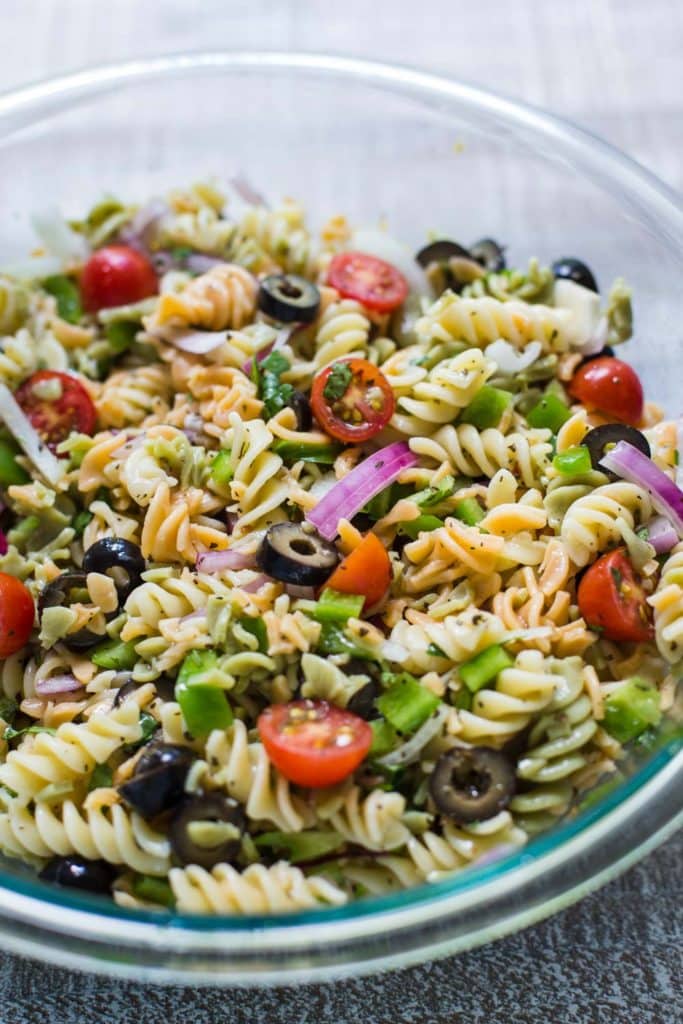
[436,919]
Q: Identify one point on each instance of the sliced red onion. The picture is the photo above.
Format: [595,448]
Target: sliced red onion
[358,487]
[283,336]
[661,534]
[255,584]
[200,262]
[494,854]
[4,544]
[679,451]
[630,464]
[138,233]
[231,521]
[246,191]
[232,558]
[199,614]
[57,684]
[196,343]
[308,593]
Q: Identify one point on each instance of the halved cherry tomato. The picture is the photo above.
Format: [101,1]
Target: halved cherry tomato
[367,570]
[116,275]
[314,743]
[612,600]
[369,280]
[16,614]
[610,386]
[352,400]
[56,417]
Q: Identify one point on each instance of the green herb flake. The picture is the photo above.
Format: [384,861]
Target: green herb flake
[338,382]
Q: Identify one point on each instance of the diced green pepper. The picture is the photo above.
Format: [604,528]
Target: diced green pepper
[204,707]
[333,640]
[468,511]
[486,408]
[378,506]
[67,295]
[102,776]
[431,496]
[631,708]
[550,412]
[221,468]
[81,520]
[114,654]
[297,451]
[423,524]
[484,667]
[334,606]
[384,737]
[463,699]
[121,335]
[8,709]
[20,533]
[257,628]
[300,846]
[436,651]
[10,470]
[573,461]
[153,890]
[407,704]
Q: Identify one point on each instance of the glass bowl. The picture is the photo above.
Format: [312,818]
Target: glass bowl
[424,153]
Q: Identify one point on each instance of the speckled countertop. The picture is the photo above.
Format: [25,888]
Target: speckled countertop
[614,66]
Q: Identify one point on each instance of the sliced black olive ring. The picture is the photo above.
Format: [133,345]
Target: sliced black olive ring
[571,269]
[158,782]
[472,784]
[600,439]
[302,410]
[66,589]
[116,553]
[487,252]
[78,873]
[296,553]
[207,830]
[441,251]
[362,703]
[288,298]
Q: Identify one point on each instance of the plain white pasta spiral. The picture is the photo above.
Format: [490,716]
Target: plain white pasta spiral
[483,453]
[256,890]
[591,525]
[282,234]
[22,354]
[343,330]
[72,753]
[108,833]
[482,321]
[667,602]
[129,396]
[258,488]
[323,680]
[373,822]
[450,386]
[458,638]
[169,594]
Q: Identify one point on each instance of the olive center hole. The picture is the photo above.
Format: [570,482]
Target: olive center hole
[290,290]
[302,546]
[471,781]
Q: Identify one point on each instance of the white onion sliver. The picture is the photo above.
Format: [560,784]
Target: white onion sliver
[508,359]
[33,269]
[661,534]
[584,307]
[393,651]
[59,239]
[54,685]
[197,343]
[383,245]
[410,751]
[25,433]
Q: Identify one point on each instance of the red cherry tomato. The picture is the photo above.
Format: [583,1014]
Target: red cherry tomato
[367,570]
[16,615]
[312,742]
[610,386]
[375,283]
[352,400]
[116,275]
[611,599]
[71,409]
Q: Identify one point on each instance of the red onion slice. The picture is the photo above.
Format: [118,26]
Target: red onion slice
[349,495]
[201,262]
[54,685]
[308,593]
[255,584]
[661,534]
[283,336]
[232,558]
[630,464]
[4,544]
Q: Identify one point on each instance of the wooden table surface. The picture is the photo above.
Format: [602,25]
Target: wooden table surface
[616,67]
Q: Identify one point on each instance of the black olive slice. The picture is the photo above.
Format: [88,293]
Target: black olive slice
[116,553]
[59,594]
[159,779]
[571,269]
[362,703]
[487,252]
[288,298]
[78,873]
[440,252]
[296,553]
[472,784]
[600,439]
[606,351]
[302,410]
[124,691]
[197,836]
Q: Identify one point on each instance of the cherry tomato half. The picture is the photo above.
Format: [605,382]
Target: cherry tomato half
[610,386]
[16,614]
[369,280]
[56,416]
[314,743]
[116,275]
[352,400]
[367,570]
[611,599]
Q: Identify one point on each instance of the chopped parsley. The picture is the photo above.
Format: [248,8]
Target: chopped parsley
[274,393]
[338,382]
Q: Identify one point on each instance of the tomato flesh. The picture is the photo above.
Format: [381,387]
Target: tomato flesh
[612,600]
[16,615]
[611,386]
[366,570]
[115,276]
[352,400]
[369,280]
[56,416]
[313,743]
